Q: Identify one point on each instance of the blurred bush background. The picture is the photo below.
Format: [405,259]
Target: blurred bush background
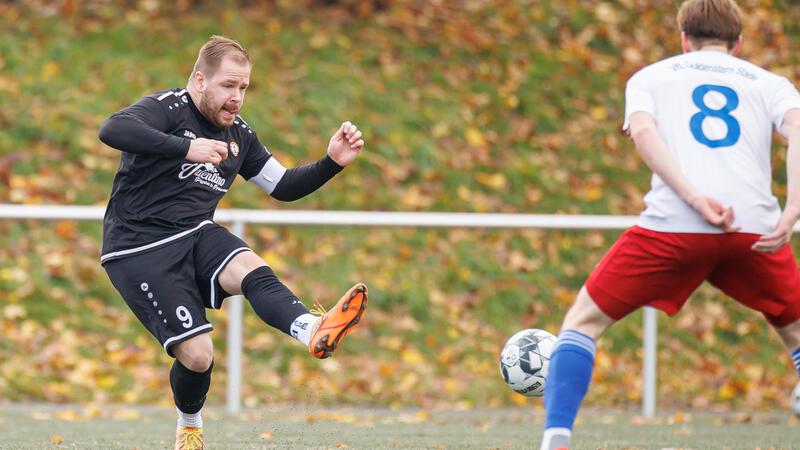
[482,106]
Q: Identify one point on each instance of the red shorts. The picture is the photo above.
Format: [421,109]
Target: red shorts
[661,270]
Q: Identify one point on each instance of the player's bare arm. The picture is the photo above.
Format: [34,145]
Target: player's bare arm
[656,155]
[769,243]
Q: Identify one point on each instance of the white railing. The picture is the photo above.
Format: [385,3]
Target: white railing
[240,217]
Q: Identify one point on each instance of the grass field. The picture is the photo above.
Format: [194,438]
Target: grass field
[29,427]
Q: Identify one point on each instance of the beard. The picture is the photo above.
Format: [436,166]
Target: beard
[213,112]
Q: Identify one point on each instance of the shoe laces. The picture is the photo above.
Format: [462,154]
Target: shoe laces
[318,309]
[193,439]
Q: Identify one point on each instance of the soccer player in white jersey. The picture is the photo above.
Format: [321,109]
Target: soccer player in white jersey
[702,121]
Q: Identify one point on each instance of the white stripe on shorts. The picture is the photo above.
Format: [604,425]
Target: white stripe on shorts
[183,335]
[216,272]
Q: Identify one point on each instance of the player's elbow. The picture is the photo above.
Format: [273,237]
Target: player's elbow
[642,132]
[792,131]
[285,195]
[108,130]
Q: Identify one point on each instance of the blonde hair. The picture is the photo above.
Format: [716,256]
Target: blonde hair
[214,50]
[705,21]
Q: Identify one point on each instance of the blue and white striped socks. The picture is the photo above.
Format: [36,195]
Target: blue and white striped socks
[567,382]
[795,359]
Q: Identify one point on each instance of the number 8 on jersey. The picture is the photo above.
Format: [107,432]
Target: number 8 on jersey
[731,103]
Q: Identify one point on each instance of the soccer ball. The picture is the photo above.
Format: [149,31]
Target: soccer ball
[525,360]
[796,400]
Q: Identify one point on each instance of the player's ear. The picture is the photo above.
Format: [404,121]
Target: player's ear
[686,44]
[199,80]
[738,47]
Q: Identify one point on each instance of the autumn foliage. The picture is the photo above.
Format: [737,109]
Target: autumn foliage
[480,106]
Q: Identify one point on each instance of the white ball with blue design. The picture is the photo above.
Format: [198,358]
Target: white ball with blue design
[796,400]
[525,360]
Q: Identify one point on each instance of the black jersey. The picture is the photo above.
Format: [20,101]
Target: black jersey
[157,194]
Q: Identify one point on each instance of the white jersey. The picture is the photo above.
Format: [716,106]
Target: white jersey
[716,113]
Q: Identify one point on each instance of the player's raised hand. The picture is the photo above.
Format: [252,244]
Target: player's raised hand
[345,144]
[204,150]
[714,213]
[780,236]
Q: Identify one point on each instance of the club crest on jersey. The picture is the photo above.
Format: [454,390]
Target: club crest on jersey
[234,147]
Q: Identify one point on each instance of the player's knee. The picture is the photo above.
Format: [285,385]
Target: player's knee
[197,362]
[196,354]
[790,334]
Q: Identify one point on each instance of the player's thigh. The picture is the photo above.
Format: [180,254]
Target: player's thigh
[159,287]
[586,317]
[231,276]
[646,267]
[766,282]
[215,249]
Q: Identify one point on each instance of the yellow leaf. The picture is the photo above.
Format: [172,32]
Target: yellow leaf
[412,356]
[69,415]
[495,180]
[267,435]
[519,400]
[592,193]
[274,260]
[727,391]
[475,137]
[56,439]
[50,70]
[598,113]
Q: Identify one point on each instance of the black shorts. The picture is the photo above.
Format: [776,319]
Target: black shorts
[168,287]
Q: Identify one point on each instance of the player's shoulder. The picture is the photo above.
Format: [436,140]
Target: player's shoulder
[242,128]
[656,69]
[174,99]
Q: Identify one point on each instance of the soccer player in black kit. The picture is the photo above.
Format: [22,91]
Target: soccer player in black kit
[181,150]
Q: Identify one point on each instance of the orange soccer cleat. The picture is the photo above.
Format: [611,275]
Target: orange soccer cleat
[334,325]
[189,438]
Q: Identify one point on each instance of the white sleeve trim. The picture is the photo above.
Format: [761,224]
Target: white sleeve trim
[270,175]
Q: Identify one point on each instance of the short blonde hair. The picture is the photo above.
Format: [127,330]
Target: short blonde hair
[214,50]
[706,21]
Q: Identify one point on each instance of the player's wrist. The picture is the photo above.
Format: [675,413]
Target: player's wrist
[792,213]
[692,199]
[333,162]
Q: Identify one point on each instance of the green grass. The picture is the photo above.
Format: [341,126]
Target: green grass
[32,427]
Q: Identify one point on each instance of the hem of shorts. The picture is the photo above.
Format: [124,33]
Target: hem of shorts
[608,302]
[153,245]
[212,291]
[207,328]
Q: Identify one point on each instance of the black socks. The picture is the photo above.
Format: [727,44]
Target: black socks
[272,301]
[189,388]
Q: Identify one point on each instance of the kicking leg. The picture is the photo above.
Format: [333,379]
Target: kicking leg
[571,369]
[271,300]
[276,305]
